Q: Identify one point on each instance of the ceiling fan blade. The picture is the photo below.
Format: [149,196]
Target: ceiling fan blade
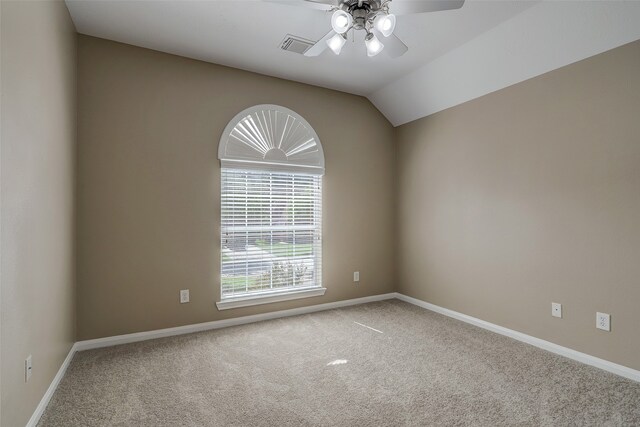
[393,46]
[406,7]
[320,46]
[313,4]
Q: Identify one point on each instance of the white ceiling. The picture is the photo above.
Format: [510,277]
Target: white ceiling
[454,56]
[547,36]
[246,34]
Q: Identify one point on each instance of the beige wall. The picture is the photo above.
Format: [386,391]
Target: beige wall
[149,186]
[531,195]
[37,167]
[504,204]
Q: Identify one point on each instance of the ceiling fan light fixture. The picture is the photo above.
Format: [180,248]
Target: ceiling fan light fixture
[341,21]
[374,46]
[385,23]
[336,43]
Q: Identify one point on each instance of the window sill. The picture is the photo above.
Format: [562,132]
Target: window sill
[266,298]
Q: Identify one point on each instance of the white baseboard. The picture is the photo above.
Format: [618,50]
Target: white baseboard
[606,365]
[217,324]
[35,417]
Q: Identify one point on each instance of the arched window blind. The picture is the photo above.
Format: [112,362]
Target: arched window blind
[271,220]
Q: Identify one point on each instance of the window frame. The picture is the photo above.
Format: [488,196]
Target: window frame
[234,155]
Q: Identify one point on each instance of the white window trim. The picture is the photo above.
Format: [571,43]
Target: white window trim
[313,165]
[270,297]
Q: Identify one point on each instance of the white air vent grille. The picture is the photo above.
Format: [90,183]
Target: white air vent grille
[295,44]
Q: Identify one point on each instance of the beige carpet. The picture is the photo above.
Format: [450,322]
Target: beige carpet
[324,369]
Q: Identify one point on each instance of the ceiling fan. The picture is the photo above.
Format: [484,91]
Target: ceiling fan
[375,17]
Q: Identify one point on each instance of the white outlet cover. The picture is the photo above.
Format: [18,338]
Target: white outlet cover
[603,321]
[556,309]
[184,296]
[28,368]
[356,276]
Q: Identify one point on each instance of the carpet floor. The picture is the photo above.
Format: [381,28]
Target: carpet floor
[385,363]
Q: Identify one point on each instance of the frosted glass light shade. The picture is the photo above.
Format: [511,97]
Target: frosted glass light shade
[341,21]
[374,46]
[385,24]
[336,43]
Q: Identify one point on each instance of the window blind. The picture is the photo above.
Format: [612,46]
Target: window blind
[271,232]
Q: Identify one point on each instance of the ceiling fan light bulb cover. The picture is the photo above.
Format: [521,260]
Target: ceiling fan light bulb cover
[336,43]
[385,24]
[374,46]
[341,21]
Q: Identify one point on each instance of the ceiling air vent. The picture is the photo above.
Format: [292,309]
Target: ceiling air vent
[295,44]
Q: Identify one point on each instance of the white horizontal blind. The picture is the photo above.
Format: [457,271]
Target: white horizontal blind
[271,231]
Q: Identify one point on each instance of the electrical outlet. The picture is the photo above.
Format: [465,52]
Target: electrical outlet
[28,367]
[603,321]
[556,309]
[356,276]
[184,296]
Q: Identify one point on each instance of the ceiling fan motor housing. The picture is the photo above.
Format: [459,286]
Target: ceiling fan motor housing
[362,11]
[357,4]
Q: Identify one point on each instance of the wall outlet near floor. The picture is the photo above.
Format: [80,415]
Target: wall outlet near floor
[603,321]
[356,276]
[184,296]
[556,309]
[28,367]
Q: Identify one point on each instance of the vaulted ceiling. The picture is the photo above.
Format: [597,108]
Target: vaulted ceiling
[453,55]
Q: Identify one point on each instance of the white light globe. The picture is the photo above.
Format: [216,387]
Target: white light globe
[374,46]
[336,43]
[341,21]
[385,24]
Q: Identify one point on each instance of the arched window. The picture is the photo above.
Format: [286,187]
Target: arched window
[271,208]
